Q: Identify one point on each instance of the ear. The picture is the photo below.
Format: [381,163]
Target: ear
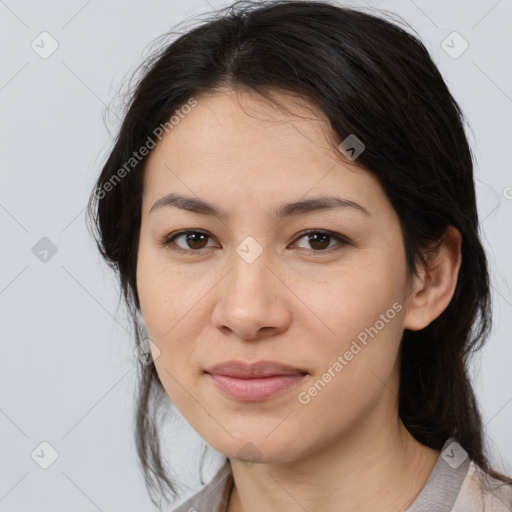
[433,289]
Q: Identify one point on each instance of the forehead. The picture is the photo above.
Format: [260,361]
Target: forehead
[236,123]
[239,142]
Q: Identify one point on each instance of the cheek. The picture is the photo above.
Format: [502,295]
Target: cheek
[366,341]
[170,303]
[350,300]
[165,295]
[362,308]
[355,367]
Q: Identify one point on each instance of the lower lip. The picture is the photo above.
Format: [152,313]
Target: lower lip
[258,388]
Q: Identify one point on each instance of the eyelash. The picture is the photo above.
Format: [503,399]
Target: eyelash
[168,241]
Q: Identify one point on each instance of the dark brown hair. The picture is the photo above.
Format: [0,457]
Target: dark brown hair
[370,78]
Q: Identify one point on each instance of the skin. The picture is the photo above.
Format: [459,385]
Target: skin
[298,303]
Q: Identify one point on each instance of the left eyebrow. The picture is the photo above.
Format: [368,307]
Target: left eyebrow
[303,207]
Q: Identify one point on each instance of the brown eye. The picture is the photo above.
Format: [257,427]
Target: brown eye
[193,241]
[319,240]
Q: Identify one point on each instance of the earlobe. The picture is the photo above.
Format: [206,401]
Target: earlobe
[435,285]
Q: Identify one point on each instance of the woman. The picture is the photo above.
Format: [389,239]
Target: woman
[291,210]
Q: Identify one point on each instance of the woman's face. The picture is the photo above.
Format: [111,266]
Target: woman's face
[253,286]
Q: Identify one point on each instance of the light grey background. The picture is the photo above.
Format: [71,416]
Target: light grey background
[66,363]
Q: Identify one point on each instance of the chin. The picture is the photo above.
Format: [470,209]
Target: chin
[258,449]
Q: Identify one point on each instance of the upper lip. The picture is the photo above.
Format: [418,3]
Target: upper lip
[253,370]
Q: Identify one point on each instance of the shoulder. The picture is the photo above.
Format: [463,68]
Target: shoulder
[214,496]
[481,492]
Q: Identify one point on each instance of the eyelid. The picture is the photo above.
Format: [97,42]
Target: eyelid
[168,240]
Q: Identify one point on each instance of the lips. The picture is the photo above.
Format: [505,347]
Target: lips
[254,382]
[258,369]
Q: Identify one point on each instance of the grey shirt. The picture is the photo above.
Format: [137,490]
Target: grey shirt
[455,484]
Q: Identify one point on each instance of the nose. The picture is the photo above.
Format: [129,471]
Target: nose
[252,302]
